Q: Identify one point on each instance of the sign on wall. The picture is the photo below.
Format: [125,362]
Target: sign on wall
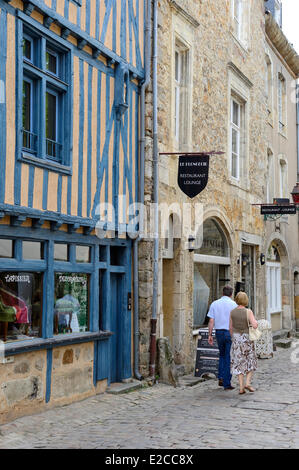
[193,173]
[207,357]
[278,209]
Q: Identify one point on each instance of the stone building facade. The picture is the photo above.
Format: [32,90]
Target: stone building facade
[211,97]
[281,240]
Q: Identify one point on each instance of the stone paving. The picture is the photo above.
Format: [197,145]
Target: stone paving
[164,417]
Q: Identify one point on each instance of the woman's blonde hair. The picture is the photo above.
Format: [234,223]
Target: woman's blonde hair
[242,299]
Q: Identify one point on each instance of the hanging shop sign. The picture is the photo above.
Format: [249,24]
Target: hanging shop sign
[193,173]
[275,209]
[207,357]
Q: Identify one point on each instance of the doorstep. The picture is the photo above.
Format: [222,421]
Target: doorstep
[283,343]
[119,388]
[190,380]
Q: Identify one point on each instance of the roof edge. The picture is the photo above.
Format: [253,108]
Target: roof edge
[282,44]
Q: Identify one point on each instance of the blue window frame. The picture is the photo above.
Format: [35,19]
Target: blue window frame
[56,282]
[45,82]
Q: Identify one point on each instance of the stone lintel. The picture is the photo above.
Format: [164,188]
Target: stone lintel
[183,13]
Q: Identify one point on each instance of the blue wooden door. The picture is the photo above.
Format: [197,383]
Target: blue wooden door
[116,281]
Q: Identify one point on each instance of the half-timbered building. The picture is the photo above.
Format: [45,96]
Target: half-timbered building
[70,78]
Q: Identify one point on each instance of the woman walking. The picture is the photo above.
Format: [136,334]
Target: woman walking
[243,356]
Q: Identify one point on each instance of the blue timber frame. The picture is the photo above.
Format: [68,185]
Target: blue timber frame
[99,301]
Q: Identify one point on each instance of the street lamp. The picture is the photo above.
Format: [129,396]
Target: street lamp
[295,194]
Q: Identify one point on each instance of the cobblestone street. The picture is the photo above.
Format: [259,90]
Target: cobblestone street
[202,416]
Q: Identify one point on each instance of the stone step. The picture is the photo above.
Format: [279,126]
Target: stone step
[281,334]
[119,388]
[283,343]
[190,380]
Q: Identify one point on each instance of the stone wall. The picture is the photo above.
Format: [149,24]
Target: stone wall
[24,380]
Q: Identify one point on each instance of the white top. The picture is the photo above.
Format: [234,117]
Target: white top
[220,312]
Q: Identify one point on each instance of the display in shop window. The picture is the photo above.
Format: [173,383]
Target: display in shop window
[20,305]
[71,310]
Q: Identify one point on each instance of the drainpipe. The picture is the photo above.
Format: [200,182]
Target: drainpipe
[152,366]
[141,185]
[297,101]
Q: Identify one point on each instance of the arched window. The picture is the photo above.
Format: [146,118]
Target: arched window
[214,240]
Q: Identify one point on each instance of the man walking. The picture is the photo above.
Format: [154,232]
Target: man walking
[219,315]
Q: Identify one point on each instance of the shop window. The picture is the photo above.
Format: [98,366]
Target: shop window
[61,252]
[209,280]
[33,250]
[71,309]
[83,254]
[20,305]
[214,241]
[6,248]
[201,297]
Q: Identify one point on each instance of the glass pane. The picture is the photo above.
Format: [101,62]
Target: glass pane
[235,166]
[206,279]
[27,49]
[236,113]
[82,254]
[214,241]
[201,297]
[103,253]
[71,303]
[60,252]
[51,62]
[235,141]
[51,109]
[6,248]
[21,304]
[33,250]
[26,105]
[177,59]
[117,256]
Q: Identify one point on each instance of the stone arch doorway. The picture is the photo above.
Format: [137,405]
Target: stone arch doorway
[278,286]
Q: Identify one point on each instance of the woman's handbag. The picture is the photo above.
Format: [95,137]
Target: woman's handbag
[254,333]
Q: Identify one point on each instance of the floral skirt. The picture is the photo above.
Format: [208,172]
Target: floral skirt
[243,356]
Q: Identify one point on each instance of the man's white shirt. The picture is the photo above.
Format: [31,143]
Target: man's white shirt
[220,311]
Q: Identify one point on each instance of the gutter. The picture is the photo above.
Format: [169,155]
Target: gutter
[141,187]
[152,365]
[297,104]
